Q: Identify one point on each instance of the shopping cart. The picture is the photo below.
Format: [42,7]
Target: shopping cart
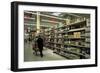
[35,49]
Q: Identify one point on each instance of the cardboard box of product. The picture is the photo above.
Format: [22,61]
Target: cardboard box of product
[77,34]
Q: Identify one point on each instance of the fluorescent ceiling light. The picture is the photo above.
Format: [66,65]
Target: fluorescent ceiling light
[56,14]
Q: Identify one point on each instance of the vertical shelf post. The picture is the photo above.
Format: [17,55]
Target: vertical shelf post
[38,22]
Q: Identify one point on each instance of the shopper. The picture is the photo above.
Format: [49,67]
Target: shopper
[40,45]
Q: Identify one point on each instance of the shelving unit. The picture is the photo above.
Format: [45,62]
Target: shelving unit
[70,41]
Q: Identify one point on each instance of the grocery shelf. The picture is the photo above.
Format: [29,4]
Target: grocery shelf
[74,30]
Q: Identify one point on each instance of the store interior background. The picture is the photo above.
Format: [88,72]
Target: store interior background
[5,51]
[66,35]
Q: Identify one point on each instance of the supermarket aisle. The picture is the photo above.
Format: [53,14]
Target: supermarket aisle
[48,55]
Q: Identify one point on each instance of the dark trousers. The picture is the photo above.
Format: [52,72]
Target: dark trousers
[41,49]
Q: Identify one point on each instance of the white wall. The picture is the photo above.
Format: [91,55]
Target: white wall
[5,17]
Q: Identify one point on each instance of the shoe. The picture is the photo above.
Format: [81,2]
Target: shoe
[41,56]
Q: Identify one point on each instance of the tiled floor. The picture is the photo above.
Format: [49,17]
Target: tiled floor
[48,55]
